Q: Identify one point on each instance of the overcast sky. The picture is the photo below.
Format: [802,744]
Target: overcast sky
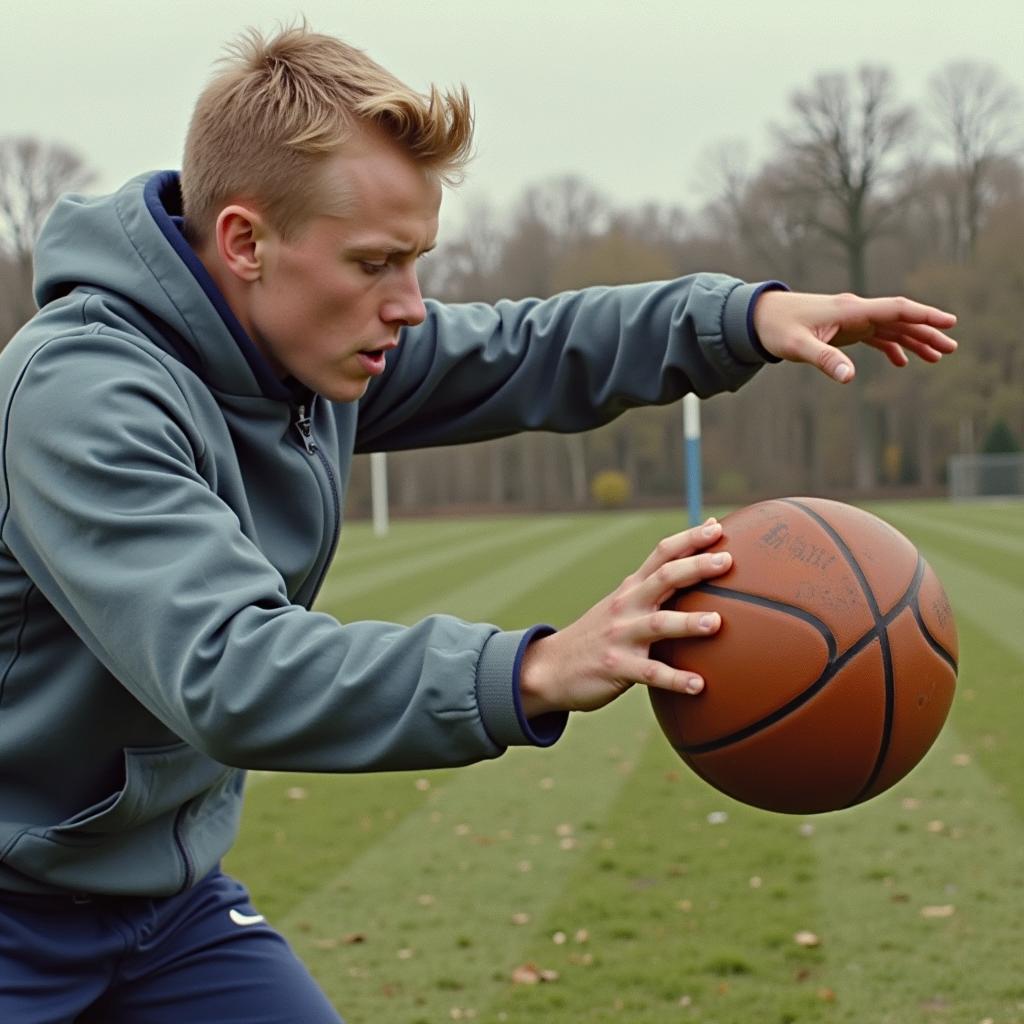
[629,93]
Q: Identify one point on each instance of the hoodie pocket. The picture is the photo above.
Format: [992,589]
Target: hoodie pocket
[125,843]
[157,781]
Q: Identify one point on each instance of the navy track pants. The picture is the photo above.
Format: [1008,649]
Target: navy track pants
[202,957]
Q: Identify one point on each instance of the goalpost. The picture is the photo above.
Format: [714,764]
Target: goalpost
[379,493]
[986,476]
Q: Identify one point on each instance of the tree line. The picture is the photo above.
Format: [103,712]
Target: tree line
[860,191]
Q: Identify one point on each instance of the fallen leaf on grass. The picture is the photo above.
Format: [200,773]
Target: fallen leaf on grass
[531,974]
[354,938]
[520,918]
[807,939]
[942,910]
[827,995]
[296,793]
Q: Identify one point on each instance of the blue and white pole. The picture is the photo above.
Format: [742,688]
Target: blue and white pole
[691,432]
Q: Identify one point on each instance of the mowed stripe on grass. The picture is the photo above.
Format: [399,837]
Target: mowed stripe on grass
[916,926]
[492,845]
[382,566]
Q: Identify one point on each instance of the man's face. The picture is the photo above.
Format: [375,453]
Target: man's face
[330,302]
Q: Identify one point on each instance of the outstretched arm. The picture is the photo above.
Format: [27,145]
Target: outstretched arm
[804,328]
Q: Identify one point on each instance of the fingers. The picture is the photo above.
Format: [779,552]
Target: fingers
[678,574]
[668,625]
[680,545]
[902,310]
[659,676]
[894,341]
[925,342]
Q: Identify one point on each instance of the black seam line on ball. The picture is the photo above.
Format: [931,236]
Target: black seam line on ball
[883,637]
[833,665]
[932,642]
[767,602]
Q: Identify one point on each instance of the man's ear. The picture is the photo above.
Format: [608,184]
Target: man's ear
[240,232]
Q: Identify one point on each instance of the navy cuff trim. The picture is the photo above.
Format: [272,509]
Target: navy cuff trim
[767,286]
[544,730]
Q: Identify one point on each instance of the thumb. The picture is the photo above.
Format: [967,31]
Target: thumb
[830,360]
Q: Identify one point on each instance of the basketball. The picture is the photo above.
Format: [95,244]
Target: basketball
[834,668]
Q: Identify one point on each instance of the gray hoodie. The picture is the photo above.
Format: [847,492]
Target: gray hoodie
[168,511]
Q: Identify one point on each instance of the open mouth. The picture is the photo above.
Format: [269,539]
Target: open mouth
[373,361]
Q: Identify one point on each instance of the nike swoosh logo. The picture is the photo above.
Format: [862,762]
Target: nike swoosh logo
[244,919]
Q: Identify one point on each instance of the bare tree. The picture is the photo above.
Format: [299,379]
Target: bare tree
[842,154]
[979,115]
[770,222]
[33,174]
[467,268]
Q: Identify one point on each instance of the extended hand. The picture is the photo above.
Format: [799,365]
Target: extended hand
[804,328]
[598,657]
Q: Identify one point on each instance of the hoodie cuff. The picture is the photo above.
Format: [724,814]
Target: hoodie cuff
[497,692]
[738,323]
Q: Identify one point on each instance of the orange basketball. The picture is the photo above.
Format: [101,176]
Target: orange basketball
[833,670]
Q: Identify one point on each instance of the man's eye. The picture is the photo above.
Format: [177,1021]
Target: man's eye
[373,268]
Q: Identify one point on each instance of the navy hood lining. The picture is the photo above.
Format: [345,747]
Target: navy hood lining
[162,194]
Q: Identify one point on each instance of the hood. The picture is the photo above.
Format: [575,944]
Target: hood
[130,246]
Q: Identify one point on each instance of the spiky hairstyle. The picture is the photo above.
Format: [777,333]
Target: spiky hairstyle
[280,105]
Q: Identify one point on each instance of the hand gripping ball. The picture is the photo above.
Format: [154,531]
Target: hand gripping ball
[833,670]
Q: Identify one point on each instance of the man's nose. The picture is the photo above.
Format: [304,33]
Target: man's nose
[405,304]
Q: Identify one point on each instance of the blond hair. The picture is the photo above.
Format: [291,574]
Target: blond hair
[266,123]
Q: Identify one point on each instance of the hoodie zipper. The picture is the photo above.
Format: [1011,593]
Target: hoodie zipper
[304,426]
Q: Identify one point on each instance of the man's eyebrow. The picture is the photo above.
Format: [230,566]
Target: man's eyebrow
[389,249]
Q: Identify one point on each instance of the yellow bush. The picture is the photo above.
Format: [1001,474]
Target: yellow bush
[611,489]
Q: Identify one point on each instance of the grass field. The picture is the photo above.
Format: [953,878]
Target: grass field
[648,896]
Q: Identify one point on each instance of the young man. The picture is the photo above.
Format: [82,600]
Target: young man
[178,424]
